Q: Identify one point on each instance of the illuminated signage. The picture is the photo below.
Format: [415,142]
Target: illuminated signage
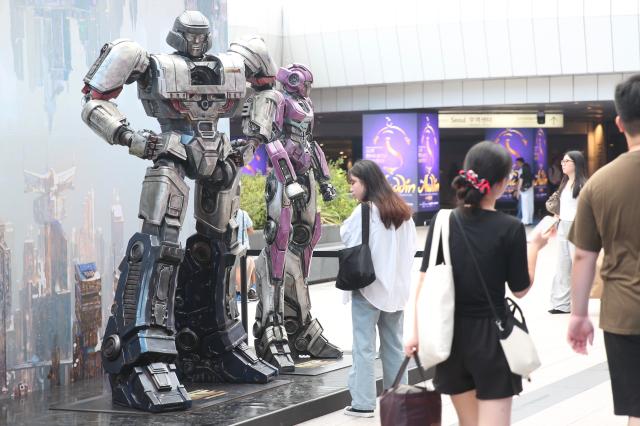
[495,121]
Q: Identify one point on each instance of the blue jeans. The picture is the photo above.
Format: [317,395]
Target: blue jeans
[365,317]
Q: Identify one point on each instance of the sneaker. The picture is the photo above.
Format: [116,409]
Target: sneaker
[558,311]
[350,411]
[252,294]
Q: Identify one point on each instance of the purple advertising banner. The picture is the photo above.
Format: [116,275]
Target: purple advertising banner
[519,143]
[390,141]
[428,162]
[539,166]
[258,164]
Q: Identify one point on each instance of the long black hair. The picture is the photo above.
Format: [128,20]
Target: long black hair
[580,168]
[393,209]
[490,161]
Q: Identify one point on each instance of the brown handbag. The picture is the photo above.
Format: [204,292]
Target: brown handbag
[406,405]
[553,203]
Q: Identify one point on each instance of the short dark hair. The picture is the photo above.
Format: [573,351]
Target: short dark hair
[393,209]
[520,159]
[490,161]
[627,100]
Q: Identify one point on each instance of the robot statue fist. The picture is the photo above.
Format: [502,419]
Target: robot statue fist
[150,146]
[328,192]
[144,144]
[297,194]
[242,152]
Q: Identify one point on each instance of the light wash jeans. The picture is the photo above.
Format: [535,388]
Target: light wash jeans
[561,287]
[365,317]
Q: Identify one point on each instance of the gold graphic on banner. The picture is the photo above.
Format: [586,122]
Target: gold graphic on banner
[389,134]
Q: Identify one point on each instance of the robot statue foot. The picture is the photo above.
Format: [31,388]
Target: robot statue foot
[274,347]
[236,366]
[311,342]
[241,366]
[153,387]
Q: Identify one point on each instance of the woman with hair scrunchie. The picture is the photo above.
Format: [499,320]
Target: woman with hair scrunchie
[476,374]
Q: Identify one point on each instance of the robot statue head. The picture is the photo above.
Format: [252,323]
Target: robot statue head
[296,78]
[190,34]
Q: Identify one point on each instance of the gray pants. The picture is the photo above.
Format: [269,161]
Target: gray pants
[561,288]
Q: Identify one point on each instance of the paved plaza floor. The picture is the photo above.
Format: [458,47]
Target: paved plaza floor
[569,389]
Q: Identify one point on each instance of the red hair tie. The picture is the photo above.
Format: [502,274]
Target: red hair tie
[471,177]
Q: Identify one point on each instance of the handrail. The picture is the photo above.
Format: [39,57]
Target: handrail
[243,278]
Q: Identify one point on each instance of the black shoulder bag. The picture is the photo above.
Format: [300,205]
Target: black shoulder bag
[355,267]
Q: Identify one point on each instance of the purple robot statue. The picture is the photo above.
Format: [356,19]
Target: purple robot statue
[174,316]
[284,328]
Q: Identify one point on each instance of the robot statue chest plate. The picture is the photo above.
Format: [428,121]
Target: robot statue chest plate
[299,113]
[197,90]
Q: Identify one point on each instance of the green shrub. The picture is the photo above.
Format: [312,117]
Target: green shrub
[332,212]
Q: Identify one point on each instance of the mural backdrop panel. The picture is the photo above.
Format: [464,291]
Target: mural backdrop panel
[68,198]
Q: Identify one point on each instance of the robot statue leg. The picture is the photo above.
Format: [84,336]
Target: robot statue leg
[271,341]
[138,350]
[210,338]
[304,332]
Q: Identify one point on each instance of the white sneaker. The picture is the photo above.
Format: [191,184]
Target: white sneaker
[350,411]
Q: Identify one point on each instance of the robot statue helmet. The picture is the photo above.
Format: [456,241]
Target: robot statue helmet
[296,78]
[190,34]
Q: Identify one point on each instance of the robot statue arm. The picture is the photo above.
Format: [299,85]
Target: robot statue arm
[120,62]
[322,173]
[262,121]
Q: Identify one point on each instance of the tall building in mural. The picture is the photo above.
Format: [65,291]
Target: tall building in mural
[88,323]
[85,239]
[41,38]
[47,299]
[116,253]
[5,305]
[31,287]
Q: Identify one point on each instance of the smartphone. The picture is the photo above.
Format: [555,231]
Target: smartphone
[544,226]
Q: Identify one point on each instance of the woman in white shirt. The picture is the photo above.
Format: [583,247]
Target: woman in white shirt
[392,240]
[574,178]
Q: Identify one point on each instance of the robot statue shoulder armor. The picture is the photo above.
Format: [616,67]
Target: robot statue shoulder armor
[120,62]
[260,68]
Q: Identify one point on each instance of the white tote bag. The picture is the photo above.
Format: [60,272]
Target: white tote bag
[436,300]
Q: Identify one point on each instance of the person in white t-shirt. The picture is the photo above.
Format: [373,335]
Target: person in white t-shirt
[574,178]
[392,240]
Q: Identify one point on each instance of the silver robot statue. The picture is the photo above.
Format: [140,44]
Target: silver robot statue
[284,328]
[174,316]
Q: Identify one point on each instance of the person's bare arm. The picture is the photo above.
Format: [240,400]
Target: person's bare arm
[538,241]
[250,230]
[411,322]
[580,327]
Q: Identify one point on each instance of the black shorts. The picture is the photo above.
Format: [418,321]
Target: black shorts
[623,357]
[477,362]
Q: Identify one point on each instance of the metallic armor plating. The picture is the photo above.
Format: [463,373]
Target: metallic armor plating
[284,121]
[174,306]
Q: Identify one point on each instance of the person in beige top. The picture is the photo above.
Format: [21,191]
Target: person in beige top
[607,217]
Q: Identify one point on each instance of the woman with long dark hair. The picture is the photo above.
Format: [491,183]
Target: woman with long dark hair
[392,240]
[574,178]
[476,374]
